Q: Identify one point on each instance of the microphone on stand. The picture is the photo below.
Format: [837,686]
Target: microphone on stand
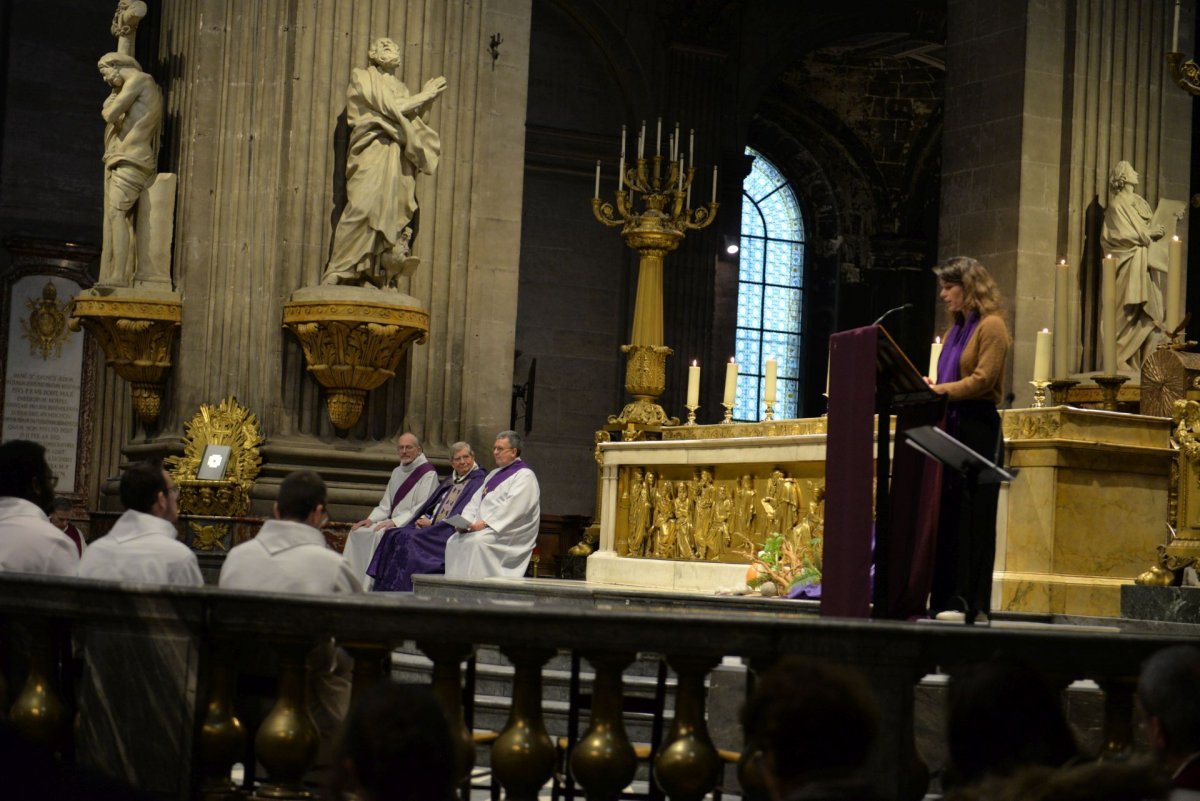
[885,315]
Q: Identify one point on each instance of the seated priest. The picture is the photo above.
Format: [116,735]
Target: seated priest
[506,511]
[411,483]
[420,546]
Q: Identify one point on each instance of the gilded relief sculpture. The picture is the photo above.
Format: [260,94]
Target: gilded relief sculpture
[133,311]
[706,496]
[356,326]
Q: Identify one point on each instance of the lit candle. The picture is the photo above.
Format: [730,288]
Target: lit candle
[714,200]
[1108,310]
[935,353]
[1041,356]
[769,389]
[1061,311]
[597,192]
[731,374]
[693,393]
[1174,283]
[658,139]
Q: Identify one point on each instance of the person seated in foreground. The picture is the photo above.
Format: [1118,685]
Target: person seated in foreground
[411,483]
[419,547]
[1168,695]
[506,512]
[142,545]
[814,726]
[29,542]
[289,554]
[60,516]
[395,746]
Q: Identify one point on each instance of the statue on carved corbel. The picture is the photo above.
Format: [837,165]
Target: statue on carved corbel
[356,326]
[1182,548]
[230,424]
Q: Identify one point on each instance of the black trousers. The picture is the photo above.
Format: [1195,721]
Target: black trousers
[966,540]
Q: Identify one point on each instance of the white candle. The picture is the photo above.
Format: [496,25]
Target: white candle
[693,392]
[731,374]
[935,353]
[1174,283]
[597,192]
[1041,356]
[678,144]
[691,146]
[769,389]
[1108,311]
[1175,30]
[622,141]
[658,139]
[1061,312]
[642,141]
[714,200]
[680,173]
[621,174]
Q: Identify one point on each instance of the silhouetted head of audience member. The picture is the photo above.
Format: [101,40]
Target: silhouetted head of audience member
[24,473]
[1168,693]
[146,487]
[60,512]
[1088,781]
[395,745]
[301,498]
[1002,715]
[813,723]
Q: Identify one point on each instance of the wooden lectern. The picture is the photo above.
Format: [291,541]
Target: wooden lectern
[870,377]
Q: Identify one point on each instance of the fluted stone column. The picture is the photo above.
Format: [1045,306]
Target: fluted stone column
[255,95]
[1039,106]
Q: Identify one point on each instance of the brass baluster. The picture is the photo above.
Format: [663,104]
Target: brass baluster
[222,736]
[603,761]
[688,767]
[447,686]
[38,712]
[523,755]
[286,742]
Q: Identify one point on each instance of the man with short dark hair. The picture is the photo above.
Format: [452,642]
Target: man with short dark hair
[60,516]
[411,483]
[143,546]
[289,553]
[506,512]
[29,543]
[1167,695]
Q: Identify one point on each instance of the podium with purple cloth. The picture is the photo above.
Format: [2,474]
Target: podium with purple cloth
[869,379]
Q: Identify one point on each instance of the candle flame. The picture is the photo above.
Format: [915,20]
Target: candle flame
[1175,238]
[694,363]
[1045,330]
[937,340]
[1062,262]
[732,360]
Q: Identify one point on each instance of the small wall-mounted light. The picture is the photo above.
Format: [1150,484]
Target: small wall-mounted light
[731,245]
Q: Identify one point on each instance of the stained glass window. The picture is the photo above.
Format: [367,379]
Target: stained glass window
[770,291]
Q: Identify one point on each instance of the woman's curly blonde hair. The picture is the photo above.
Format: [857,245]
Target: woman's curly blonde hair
[980,292]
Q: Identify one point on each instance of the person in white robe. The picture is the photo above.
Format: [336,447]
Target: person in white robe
[506,512]
[143,545]
[29,542]
[289,554]
[407,490]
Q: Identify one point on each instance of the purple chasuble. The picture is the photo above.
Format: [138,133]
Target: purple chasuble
[410,482]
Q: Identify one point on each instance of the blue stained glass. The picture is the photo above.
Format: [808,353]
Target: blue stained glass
[752,222]
[745,405]
[783,263]
[757,185]
[781,309]
[749,309]
[784,349]
[770,174]
[750,260]
[748,347]
[787,398]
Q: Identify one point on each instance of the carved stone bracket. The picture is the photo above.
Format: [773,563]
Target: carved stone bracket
[353,340]
[136,330]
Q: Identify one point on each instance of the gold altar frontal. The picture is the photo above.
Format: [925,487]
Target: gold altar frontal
[1084,516]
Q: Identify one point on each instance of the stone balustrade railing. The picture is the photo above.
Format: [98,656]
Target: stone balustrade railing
[163,678]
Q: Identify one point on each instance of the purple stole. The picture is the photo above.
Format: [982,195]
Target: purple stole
[410,482]
[503,475]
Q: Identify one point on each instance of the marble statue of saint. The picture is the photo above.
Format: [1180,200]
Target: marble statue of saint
[389,144]
[1126,234]
[706,498]
[745,511]
[132,115]
[640,493]
[722,513]
[664,521]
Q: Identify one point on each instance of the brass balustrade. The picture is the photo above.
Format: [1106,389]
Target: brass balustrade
[893,655]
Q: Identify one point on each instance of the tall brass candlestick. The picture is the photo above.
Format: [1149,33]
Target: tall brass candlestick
[656,230]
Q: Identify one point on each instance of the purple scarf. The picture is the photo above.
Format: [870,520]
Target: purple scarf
[410,482]
[502,475]
[948,362]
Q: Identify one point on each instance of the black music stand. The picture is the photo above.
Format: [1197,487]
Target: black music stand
[941,447]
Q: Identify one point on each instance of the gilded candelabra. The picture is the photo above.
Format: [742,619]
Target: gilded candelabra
[664,184]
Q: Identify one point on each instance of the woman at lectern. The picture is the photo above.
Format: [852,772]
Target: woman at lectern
[971,373]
